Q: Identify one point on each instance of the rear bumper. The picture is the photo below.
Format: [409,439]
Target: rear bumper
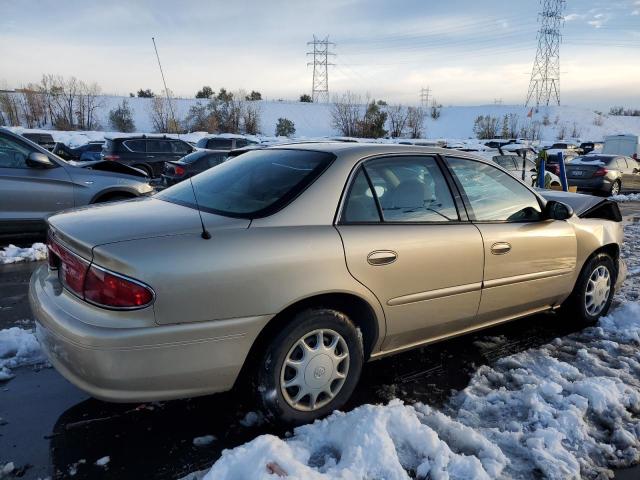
[142,363]
[590,184]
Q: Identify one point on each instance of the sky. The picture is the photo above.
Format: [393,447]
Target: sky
[468,52]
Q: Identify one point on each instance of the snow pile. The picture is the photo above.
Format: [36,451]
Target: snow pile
[13,254]
[568,409]
[630,197]
[18,347]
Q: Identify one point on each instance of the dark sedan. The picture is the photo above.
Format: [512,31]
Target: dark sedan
[604,174]
[192,164]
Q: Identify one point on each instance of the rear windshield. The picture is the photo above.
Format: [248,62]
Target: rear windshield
[253,185]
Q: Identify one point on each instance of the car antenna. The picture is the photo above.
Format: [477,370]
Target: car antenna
[205,234]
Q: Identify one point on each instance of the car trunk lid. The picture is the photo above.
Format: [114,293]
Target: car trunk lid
[582,171]
[83,229]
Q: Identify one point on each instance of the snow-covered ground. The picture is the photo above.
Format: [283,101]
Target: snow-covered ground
[569,409]
[13,254]
[18,347]
[313,120]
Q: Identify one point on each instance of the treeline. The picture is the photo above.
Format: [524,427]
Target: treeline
[622,111]
[378,119]
[510,126]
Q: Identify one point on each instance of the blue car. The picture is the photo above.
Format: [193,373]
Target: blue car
[87,152]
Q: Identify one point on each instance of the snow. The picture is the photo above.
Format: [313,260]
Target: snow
[252,419]
[102,462]
[18,347]
[204,440]
[629,197]
[13,254]
[568,409]
[313,120]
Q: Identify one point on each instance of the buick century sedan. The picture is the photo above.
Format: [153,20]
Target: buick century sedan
[291,266]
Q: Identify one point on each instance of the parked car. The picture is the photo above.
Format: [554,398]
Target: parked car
[147,153]
[552,162]
[523,169]
[588,147]
[293,265]
[45,140]
[192,164]
[562,146]
[604,174]
[35,183]
[223,142]
[499,142]
[88,152]
[627,145]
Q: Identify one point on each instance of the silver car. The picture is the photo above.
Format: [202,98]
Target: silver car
[292,265]
[35,183]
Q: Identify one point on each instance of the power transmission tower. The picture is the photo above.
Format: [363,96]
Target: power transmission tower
[424,96]
[544,86]
[321,53]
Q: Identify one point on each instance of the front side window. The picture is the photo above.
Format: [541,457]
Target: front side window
[13,154]
[253,185]
[219,143]
[493,195]
[407,189]
[158,146]
[180,147]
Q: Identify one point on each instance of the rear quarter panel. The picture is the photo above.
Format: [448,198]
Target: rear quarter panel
[238,272]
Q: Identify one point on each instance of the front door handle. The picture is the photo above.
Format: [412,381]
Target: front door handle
[382,257]
[500,248]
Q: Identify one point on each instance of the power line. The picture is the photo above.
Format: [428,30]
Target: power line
[320,84]
[544,86]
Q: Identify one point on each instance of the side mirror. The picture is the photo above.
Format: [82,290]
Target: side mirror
[558,210]
[39,160]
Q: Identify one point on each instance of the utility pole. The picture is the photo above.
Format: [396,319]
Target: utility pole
[166,90]
[424,96]
[544,86]
[321,53]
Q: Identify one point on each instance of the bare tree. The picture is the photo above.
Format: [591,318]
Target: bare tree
[32,106]
[415,121]
[251,117]
[398,117]
[163,114]
[9,105]
[89,101]
[345,114]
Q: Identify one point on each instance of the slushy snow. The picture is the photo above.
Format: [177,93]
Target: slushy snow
[569,409]
[18,347]
[629,197]
[13,254]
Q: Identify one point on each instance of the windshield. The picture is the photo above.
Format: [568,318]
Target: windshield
[252,185]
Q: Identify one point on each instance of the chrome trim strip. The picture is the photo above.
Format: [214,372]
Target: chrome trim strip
[432,294]
[499,282]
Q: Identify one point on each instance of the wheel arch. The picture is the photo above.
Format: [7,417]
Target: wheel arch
[359,311]
[105,195]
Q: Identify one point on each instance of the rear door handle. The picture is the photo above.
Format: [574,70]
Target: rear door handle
[382,257]
[500,248]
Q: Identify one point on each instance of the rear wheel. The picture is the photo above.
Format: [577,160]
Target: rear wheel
[592,295]
[310,368]
[615,188]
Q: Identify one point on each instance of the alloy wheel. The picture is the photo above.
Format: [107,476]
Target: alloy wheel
[598,290]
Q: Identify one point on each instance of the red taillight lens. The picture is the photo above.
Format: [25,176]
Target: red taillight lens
[601,172]
[112,157]
[109,290]
[72,268]
[179,170]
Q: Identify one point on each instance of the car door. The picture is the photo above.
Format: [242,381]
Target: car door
[406,239]
[529,261]
[635,171]
[626,173]
[158,152]
[28,194]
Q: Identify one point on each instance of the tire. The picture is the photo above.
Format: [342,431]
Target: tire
[616,188]
[318,373]
[576,306]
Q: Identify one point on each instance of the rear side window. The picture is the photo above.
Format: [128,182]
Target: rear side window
[215,159]
[622,164]
[253,185]
[505,162]
[494,196]
[159,146]
[137,146]
[219,143]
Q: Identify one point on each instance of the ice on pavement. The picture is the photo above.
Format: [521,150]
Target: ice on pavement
[629,197]
[102,462]
[204,440]
[18,347]
[13,254]
[568,409]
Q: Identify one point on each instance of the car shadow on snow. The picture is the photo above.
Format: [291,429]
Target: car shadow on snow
[156,440]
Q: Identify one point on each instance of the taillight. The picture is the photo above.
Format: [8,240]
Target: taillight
[601,172]
[107,289]
[179,170]
[95,284]
[113,158]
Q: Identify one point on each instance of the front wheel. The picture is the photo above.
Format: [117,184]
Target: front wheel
[615,188]
[311,367]
[592,295]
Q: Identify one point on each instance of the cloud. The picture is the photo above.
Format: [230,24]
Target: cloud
[573,16]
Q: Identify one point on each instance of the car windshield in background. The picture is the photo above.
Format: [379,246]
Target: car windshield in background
[253,185]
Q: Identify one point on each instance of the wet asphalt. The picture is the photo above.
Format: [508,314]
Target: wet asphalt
[49,428]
